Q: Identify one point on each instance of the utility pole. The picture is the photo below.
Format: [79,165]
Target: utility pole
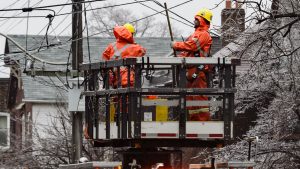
[77,57]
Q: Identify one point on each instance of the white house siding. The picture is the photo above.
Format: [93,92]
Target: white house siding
[45,116]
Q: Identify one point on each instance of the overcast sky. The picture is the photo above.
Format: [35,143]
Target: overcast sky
[61,25]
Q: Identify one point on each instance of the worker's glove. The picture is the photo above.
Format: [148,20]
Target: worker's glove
[200,67]
[194,75]
[172,44]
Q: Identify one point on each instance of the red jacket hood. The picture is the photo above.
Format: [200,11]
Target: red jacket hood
[203,24]
[123,35]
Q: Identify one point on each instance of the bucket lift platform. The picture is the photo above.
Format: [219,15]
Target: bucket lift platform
[121,117]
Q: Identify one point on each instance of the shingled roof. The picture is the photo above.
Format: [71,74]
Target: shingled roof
[59,52]
[43,89]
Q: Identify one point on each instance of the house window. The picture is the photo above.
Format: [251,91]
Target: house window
[4,130]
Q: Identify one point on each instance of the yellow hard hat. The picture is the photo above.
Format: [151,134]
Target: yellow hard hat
[129,27]
[205,13]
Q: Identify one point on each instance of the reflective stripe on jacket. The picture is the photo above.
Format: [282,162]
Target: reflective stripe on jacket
[124,47]
[198,43]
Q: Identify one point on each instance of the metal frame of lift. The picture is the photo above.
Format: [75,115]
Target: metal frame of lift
[133,97]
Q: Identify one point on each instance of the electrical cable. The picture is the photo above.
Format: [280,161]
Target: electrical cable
[170,17]
[31,56]
[95,15]
[182,17]
[47,83]
[67,69]
[50,17]
[58,23]
[15,14]
[55,36]
[160,11]
[9,6]
[27,25]
[87,33]
[26,41]
[30,10]
[65,28]
[23,17]
[132,21]
[137,19]
[217,5]
[63,20]
[50,6]
[117,5]
[30,50]
[159,4]
[14,23]
[53,29]
[52,45]
[56,86]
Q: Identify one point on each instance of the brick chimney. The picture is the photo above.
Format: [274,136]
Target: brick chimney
[232,21]
[228,4]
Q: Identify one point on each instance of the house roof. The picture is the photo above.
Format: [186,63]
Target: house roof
[235,48]
[46,88]
[60,47]
[43,89]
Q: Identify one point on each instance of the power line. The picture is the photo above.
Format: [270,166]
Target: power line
[217,5]
[159,4]
[53,29]
[15,14]
[165,14]
[61,44]
[11,26]
[162,11]
[31,56]
[73,3]
[27,25]
[48,6]
[30,10]
[65,28]
[21,17]
[131,21]
[87,33]
[93,12]
[140,18]
[10,5]
[129,3]
[68,13]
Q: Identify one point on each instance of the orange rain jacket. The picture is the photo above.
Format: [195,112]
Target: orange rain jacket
[124,47]
[198,43]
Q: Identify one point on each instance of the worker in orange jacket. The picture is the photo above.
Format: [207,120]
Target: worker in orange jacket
[124,47]
[197,45]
